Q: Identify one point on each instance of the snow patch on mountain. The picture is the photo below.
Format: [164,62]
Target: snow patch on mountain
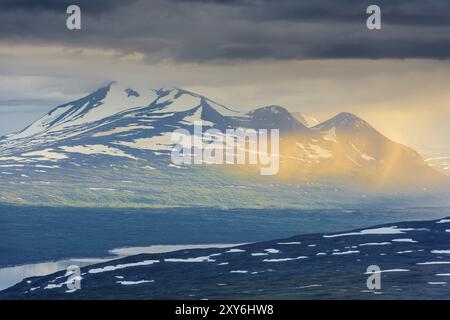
[440,161]
[196,117]
[181,103]
[330,135]
[97,149]
[47,154]
[367,157]
[161,142]
[306,120]
[314,152]
[120,130]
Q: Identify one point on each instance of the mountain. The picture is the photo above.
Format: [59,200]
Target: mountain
[115,114]
[346,148]
[439,161]
[86,149]
[412,259]
[275,117]
[307,121]
[371,154]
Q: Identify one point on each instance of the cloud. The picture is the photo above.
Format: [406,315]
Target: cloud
[404,12]
[91,7]
[200,30]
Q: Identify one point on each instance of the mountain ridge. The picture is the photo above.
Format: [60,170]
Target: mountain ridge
[411,257]
[132,126]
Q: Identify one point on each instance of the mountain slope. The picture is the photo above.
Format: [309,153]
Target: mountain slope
[412,257]
[382,160]
[347,149]
[128,128]
[440,162]
[307,121]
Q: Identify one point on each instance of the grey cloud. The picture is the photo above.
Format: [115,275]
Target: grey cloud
[404,12]
[200,30]
[91,6]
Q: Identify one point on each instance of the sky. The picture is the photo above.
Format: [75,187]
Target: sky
[311,56]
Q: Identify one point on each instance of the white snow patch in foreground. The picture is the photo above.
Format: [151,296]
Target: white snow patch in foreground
[440,251]
[409,240]
[271,250]
[284,259]
[310,286]
[289,243]
[374,244]
[345,252]
[198,259]
[406,251]
[383,230]
[235,251]
[389,270]
[433,262]
[131,283]
[60,285]
[123,266]
[130,251]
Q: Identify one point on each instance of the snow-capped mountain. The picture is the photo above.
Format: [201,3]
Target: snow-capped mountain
[275,117]
[349,149]
[122,126]
[439,161]
[306,120]
[116,114]
[118,118]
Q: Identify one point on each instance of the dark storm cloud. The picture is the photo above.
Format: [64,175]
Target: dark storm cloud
[200,30]
[92,6]
[407,12]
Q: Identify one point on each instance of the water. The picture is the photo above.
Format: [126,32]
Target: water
[12,275]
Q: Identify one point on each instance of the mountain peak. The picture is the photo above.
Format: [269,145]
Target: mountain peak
[347,116]
[344,121]
[271,109]
[275,117]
